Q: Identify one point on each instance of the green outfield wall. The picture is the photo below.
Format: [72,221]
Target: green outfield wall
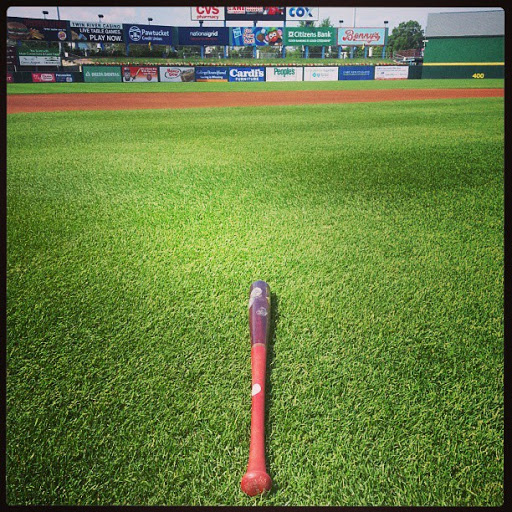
[465,49]
[464,57]
[462,71]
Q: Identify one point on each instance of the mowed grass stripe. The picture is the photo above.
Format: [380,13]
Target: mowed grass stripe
[256,86]
[133,238]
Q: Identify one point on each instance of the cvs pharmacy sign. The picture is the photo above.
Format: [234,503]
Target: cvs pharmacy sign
[207,13]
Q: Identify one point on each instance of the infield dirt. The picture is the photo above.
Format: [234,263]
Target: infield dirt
[17,103]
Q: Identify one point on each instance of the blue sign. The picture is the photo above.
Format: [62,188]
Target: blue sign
[356,72]
[64,77]
[211,74]
[247,74]
[144,34]
[256,36]
[205,36]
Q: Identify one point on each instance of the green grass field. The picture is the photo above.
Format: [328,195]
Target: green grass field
[133,238]
[50,88]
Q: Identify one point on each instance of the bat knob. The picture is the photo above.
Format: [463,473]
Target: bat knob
[256,482]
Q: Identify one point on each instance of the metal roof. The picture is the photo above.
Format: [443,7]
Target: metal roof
[476,23]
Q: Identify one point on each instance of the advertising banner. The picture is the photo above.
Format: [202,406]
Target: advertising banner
[176,74]
[144,34]
[391,72]
[360,36]
[244,74]
[140,74]
[211,74]
[12,56]
[356,73]
[207,13]
[310,36]
[28,29]
[301,13]
[10,77]
[102,73]
[286,74]
[255,13]
[256,36]
[43,77]
[64,77]
[321,73]
[93,32]
[210,36]
[30,55]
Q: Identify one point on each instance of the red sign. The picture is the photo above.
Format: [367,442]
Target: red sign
[140,74]
[207,13]
[43,77]
[10,78]
[255,13]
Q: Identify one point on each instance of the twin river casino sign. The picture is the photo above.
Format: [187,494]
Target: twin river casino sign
[86,31]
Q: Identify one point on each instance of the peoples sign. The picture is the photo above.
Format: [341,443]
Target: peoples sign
[207,13]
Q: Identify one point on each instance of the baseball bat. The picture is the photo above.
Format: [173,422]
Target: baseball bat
[256,480]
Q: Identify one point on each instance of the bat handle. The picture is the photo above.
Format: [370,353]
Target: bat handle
[256,480]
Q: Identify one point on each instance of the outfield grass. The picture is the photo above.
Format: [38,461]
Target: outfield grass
[491,83]
[133,238]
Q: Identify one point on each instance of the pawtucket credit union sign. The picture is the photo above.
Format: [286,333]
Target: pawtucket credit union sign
[359,36]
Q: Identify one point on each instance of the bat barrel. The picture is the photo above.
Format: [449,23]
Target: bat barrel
[259,312]
[256,480]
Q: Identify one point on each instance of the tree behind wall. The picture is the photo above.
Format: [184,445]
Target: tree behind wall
[326,22]
[407,36]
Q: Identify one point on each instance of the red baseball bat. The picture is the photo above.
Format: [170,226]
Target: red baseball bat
[256,480]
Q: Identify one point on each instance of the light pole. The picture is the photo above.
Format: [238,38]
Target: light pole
[385,38]
[100,17]
[339,47]
[150,20]
[353,48]
[45,13]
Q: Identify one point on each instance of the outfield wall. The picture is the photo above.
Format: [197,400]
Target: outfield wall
[141,74]
[464,57]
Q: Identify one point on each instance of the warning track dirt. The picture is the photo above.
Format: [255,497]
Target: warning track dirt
[17,103]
